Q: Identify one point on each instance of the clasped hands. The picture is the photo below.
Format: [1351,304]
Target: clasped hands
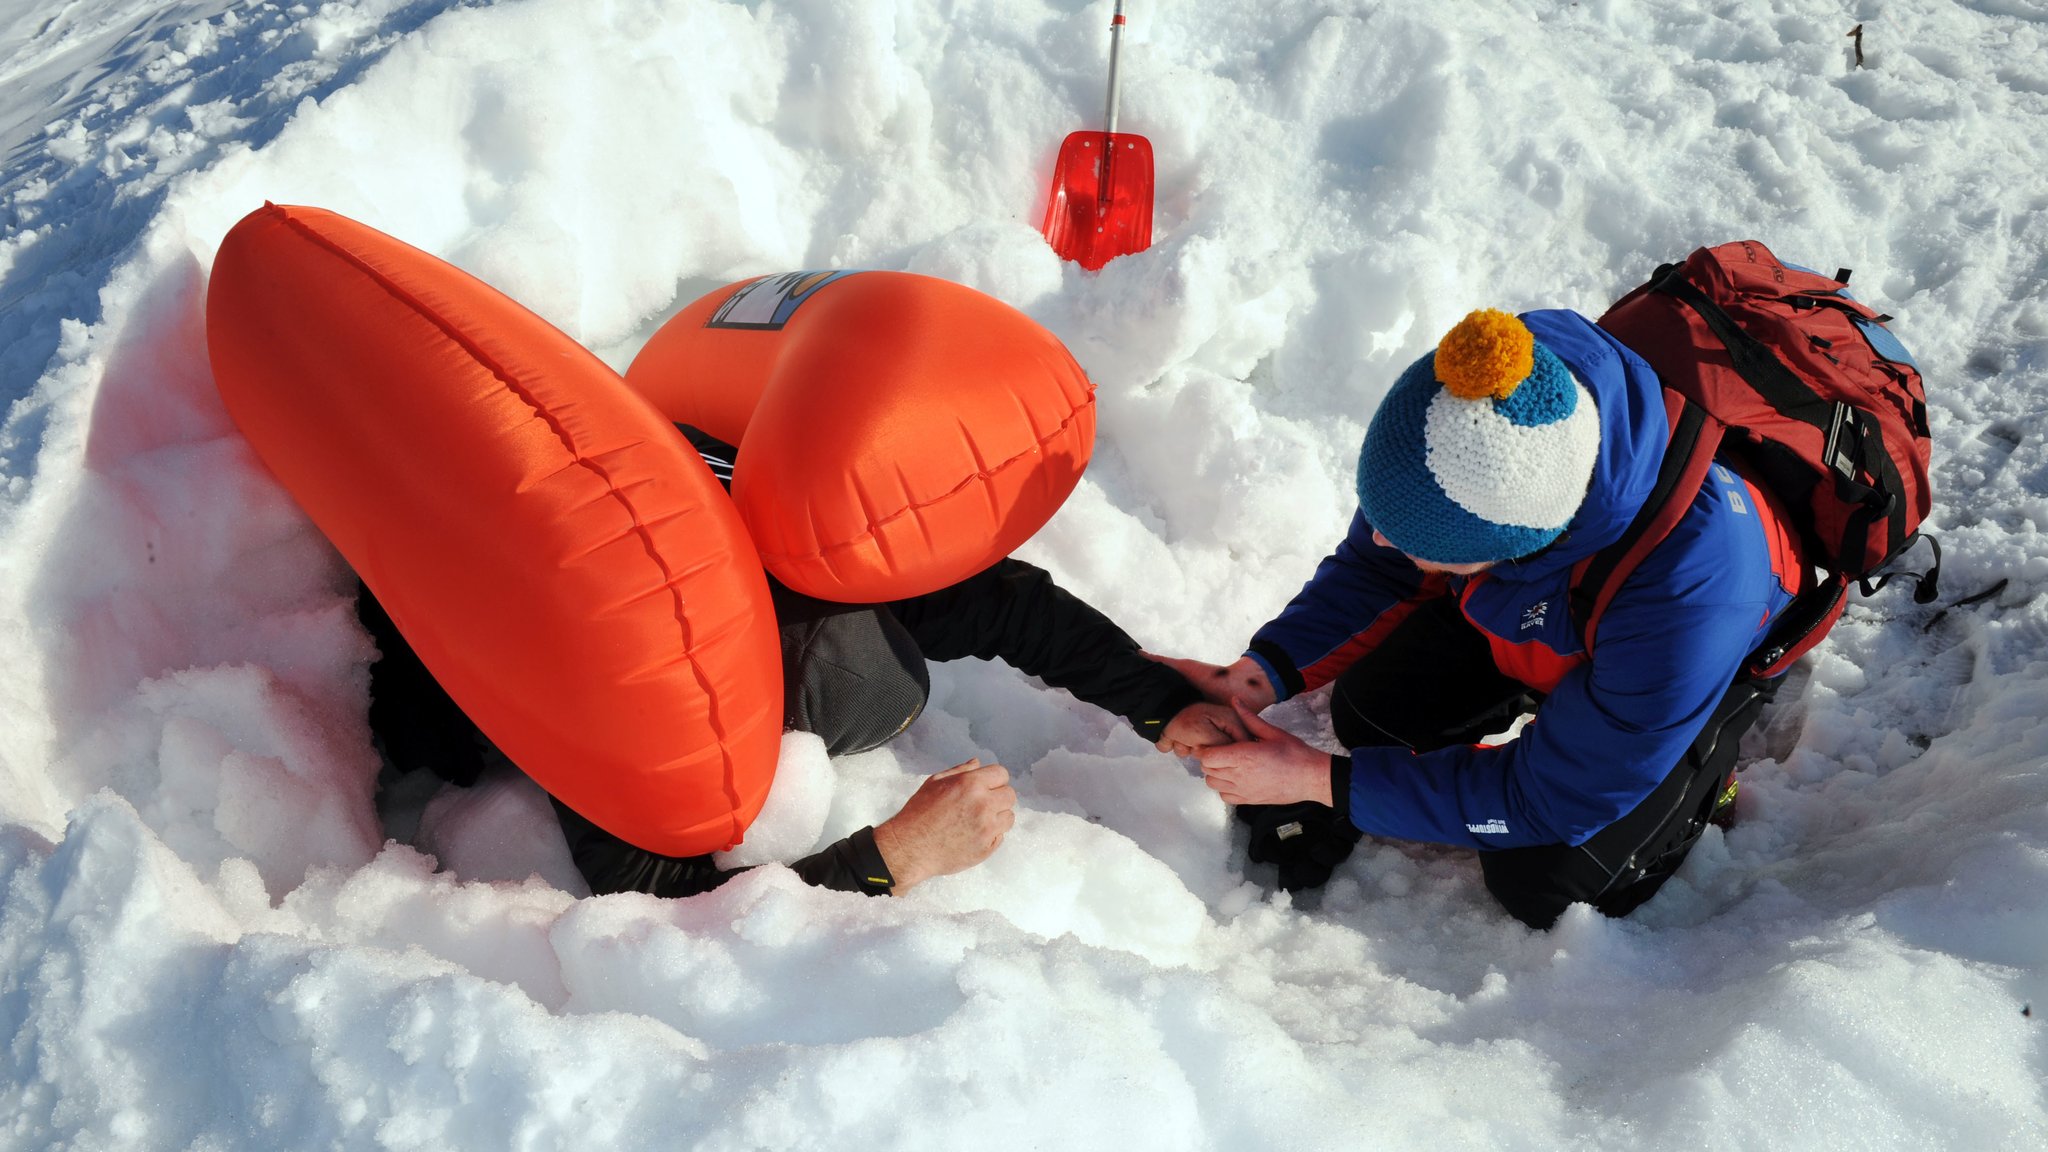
[1244,758]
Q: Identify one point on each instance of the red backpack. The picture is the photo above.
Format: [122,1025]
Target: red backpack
[1804,389]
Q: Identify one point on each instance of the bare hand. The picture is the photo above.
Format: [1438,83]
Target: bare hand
[1275,767]
[954,821]
[1200,725]
[1243,680]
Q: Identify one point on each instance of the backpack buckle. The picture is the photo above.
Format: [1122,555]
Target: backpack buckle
[1838,455]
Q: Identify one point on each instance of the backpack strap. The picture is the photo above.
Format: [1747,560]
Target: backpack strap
[1695,437]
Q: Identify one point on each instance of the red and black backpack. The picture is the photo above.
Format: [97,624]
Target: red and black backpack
[1808,394]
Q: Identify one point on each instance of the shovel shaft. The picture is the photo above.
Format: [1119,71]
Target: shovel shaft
[1116,40]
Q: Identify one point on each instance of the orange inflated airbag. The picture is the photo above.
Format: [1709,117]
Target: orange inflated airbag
[562,561]
[897,433]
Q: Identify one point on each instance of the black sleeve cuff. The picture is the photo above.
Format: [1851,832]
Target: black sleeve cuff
[850,865]
[1152,723]
[1340,785]
[1283,665]
[869,867]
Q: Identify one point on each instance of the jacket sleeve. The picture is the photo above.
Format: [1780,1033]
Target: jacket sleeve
[1014,612]
[1600,743]
[609,864]
[1358,595]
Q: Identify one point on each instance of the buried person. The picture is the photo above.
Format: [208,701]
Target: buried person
[1496,466]
[854,675]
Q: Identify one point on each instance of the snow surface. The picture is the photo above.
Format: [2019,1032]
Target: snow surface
[207,940]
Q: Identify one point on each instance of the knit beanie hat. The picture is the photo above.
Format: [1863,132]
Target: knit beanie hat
[1483,449]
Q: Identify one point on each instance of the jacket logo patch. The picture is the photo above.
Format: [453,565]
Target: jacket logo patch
[1490,828]
[1534,614]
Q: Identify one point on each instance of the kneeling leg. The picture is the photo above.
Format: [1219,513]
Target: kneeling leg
[1625,863]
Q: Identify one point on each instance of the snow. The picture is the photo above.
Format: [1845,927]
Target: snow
[209,939]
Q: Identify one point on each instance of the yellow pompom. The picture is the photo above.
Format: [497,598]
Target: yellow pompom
[1489,353]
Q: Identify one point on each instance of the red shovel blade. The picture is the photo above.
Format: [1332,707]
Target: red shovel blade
[1100,208]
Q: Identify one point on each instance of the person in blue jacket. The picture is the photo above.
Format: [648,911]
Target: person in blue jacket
[1497,463]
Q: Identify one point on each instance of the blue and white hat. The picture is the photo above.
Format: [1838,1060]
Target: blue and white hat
[1483,449]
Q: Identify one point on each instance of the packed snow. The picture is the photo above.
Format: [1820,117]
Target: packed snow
[214,934]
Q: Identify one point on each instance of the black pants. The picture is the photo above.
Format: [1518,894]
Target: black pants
[852,675]
[1433,684]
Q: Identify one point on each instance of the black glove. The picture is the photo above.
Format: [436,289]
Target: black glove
[1306,840]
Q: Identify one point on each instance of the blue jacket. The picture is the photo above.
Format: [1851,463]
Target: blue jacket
[1613,725]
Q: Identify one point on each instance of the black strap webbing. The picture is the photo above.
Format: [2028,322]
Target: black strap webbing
[1754,360]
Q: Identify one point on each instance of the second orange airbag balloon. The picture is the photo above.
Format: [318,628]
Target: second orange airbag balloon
[898,433]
